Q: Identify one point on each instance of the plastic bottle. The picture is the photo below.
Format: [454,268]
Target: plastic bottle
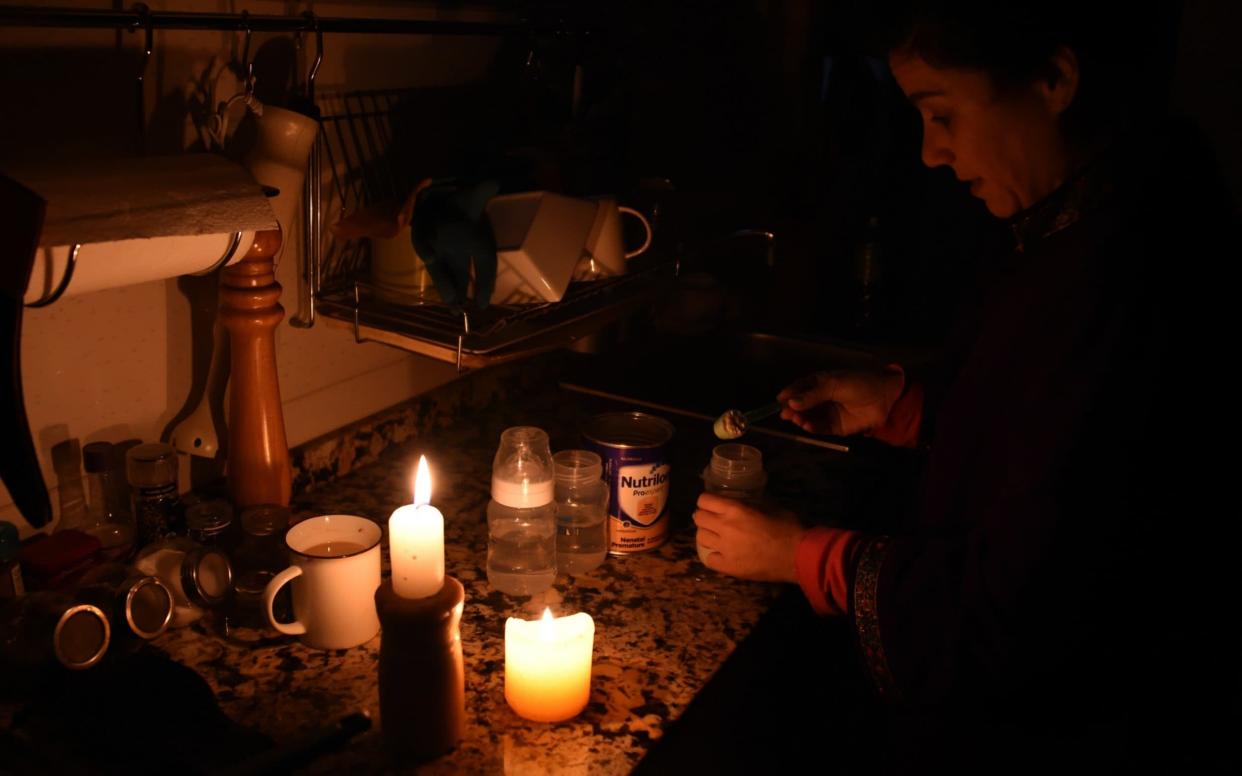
[521,517]
[735,471]
[581,511]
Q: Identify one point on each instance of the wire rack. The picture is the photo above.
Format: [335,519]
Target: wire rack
[365,166]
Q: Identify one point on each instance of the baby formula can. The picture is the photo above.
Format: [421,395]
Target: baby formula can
[634,449]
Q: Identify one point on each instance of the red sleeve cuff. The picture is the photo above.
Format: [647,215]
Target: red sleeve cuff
[901,428]
[822,566]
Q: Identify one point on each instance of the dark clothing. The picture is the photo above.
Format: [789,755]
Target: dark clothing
[1055,599]
[1052,581]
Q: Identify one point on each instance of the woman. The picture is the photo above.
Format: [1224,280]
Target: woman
[1050,580]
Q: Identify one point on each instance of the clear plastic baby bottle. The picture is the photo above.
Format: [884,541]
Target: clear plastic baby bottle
[521,517]
[581,511]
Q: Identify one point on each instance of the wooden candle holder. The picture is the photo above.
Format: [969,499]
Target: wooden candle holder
[422,678]
[258,456]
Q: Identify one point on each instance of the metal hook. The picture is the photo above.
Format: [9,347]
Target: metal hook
[144,22]
[314,71]
[245,21]
[64,280]
[247,65]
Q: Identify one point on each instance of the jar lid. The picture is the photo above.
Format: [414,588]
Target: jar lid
[81,636]
[97,456]
[265,519]
[208,519]
[148,607]
[206,576]
[151,465]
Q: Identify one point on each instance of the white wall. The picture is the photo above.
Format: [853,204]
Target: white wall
[116,364]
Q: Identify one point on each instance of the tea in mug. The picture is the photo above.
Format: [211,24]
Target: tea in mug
[334,549]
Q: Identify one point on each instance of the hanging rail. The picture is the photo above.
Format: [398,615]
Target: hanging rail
[139,17]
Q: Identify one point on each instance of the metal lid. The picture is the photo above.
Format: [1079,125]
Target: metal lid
[265,519]
[148,607]
[81,637]
[151,465]
[208,519]
[206,576]
[97,456]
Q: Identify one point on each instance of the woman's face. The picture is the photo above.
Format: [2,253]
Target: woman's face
[1009,147]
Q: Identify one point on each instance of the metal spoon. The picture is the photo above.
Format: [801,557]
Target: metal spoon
[734,423]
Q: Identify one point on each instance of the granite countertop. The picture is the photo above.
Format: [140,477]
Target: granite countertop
[664,622]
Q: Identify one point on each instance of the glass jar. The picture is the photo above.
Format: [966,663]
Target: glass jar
[152,473]
[735,471]
[11,582]
[136,604]
[260,556]
[109,520]
[521,517]
[210,523]
[581,511]
[200,578]
[49,627]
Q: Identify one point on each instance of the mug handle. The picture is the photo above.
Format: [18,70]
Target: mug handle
[294,628]
[646,227]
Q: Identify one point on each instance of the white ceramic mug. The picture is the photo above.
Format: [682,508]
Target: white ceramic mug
[335,572]
[604,254]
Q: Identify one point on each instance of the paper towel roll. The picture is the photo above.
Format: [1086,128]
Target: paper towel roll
[123,262]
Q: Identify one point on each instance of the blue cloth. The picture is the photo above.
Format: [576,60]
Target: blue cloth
[451,235]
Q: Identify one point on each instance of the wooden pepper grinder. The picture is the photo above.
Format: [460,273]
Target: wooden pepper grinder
[258,454]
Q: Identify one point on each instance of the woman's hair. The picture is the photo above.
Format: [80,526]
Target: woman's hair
[1119,54]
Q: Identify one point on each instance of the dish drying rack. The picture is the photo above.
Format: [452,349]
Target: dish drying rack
[364,166]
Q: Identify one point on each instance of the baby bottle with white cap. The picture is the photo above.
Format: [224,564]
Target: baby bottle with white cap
[521,517]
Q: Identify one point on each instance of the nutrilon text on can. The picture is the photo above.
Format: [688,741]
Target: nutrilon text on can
[634,449]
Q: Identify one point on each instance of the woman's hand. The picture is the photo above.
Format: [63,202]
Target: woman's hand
[844,401]
[747,540]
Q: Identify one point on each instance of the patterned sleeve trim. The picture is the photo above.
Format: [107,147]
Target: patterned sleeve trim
[867,616]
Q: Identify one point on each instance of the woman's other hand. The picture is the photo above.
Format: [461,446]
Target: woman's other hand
[747,540]
[842,402]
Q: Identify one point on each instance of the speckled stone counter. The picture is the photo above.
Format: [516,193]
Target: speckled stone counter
[664,623]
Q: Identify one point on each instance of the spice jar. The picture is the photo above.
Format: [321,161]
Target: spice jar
[108,519]
[210,523]
[260,556]
[11,584]
[136,604]
[48,628]
[152,473]
[199,578]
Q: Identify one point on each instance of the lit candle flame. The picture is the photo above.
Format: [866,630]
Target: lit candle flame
[546,633]
[422,483]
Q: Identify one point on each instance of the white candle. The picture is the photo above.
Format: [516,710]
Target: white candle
[548,665]
[416,542]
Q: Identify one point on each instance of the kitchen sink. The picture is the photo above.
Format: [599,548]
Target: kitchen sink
[709,374]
